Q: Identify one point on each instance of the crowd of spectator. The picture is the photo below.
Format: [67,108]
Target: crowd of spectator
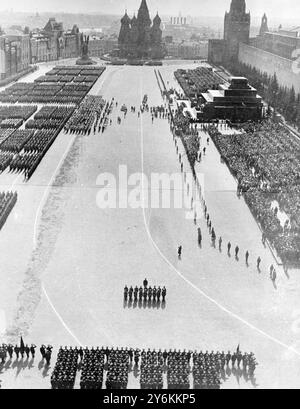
[264,158]
[194,82]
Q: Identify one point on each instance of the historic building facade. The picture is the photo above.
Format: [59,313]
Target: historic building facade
[236,31]
[54,43]
[139,37]
[15,52]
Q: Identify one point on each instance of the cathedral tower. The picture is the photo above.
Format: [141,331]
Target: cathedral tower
[143,25]
[125,34]
[264,25]
[236,28]
[139,38]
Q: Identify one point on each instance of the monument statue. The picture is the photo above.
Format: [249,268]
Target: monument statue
[84,47]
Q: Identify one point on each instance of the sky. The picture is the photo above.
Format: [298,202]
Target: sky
[287,9]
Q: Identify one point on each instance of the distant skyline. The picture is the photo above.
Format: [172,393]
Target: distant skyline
[276,10]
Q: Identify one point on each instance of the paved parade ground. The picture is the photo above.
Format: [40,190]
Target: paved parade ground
[65,262]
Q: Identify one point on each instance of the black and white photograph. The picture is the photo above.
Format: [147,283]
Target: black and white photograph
[149,197]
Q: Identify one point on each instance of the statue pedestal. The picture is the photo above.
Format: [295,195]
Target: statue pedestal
[85,61]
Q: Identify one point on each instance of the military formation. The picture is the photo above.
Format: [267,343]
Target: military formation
[145,294]
[8,351]
[7,203]
[91,115]
[64,373]
[152,363]
[92,368]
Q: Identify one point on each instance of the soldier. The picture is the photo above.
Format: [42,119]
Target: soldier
[145,294]
[17,351]
[27,351]
[136,356]
[199,236]
[228,247]
[130,293]
[125,293]
[81,353]
[140,293]
[271,271]
[136,291]
[165,356]
[130,353]
[228,358]
[239,358]
[179,252]
[158,293]
[154,293]
[213,235]
[32,350]
[164,293]
[145,283]
[43,351]
[10,350]
[150,293]
[247,257]
[258,263]
[220,243]
[233,358]
[48,356]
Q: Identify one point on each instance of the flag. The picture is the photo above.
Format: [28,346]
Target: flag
[238,349]
[22,345]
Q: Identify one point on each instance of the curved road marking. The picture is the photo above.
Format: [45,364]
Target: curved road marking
[59,316]
[212,300]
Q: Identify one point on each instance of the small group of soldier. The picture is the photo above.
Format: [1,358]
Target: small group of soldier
[159,112]
[145,293]
[46,352]
[7,350]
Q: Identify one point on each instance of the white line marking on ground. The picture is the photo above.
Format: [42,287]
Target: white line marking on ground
[59,316]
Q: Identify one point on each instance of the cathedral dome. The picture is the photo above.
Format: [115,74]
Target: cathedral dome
[133,20]
[125,19]
[157,20]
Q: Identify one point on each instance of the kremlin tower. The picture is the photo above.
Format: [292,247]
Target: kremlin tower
[139,37]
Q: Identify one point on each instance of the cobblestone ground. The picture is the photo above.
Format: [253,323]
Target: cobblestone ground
[73,282]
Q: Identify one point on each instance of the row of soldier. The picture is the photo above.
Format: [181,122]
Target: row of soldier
[146,293]
[8,350]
